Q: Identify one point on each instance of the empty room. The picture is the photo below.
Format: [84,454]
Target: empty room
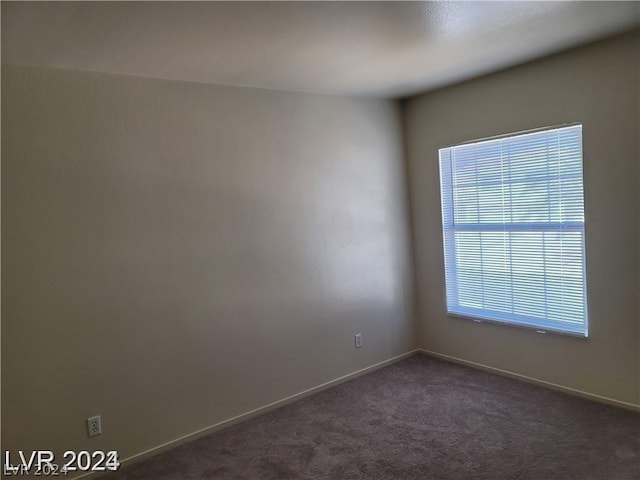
[321,240]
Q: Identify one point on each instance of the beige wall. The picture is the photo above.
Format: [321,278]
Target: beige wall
[599,86]
[176,254]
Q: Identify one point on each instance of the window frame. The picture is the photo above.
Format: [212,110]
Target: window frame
[478,315]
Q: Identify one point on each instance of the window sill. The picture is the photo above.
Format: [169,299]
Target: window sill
[539,330]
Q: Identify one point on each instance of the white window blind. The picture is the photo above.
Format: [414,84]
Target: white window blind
[513,226]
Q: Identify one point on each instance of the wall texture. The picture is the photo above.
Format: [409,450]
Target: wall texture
[599,86]
[176,254]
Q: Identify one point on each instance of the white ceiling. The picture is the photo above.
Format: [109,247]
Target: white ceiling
[362,48]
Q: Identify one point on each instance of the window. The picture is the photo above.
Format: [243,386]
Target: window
[513,227]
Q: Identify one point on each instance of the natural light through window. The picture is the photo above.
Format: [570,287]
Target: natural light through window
[513,226]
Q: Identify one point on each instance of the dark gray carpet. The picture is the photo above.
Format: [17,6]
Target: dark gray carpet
[420,418]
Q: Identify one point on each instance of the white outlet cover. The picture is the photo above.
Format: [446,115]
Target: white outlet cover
[94,426]
[358,340]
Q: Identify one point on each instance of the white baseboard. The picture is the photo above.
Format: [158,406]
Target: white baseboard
[524,378]
[253,413]
[345,378]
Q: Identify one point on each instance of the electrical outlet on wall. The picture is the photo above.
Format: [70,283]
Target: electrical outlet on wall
[94,426]
[358,340]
